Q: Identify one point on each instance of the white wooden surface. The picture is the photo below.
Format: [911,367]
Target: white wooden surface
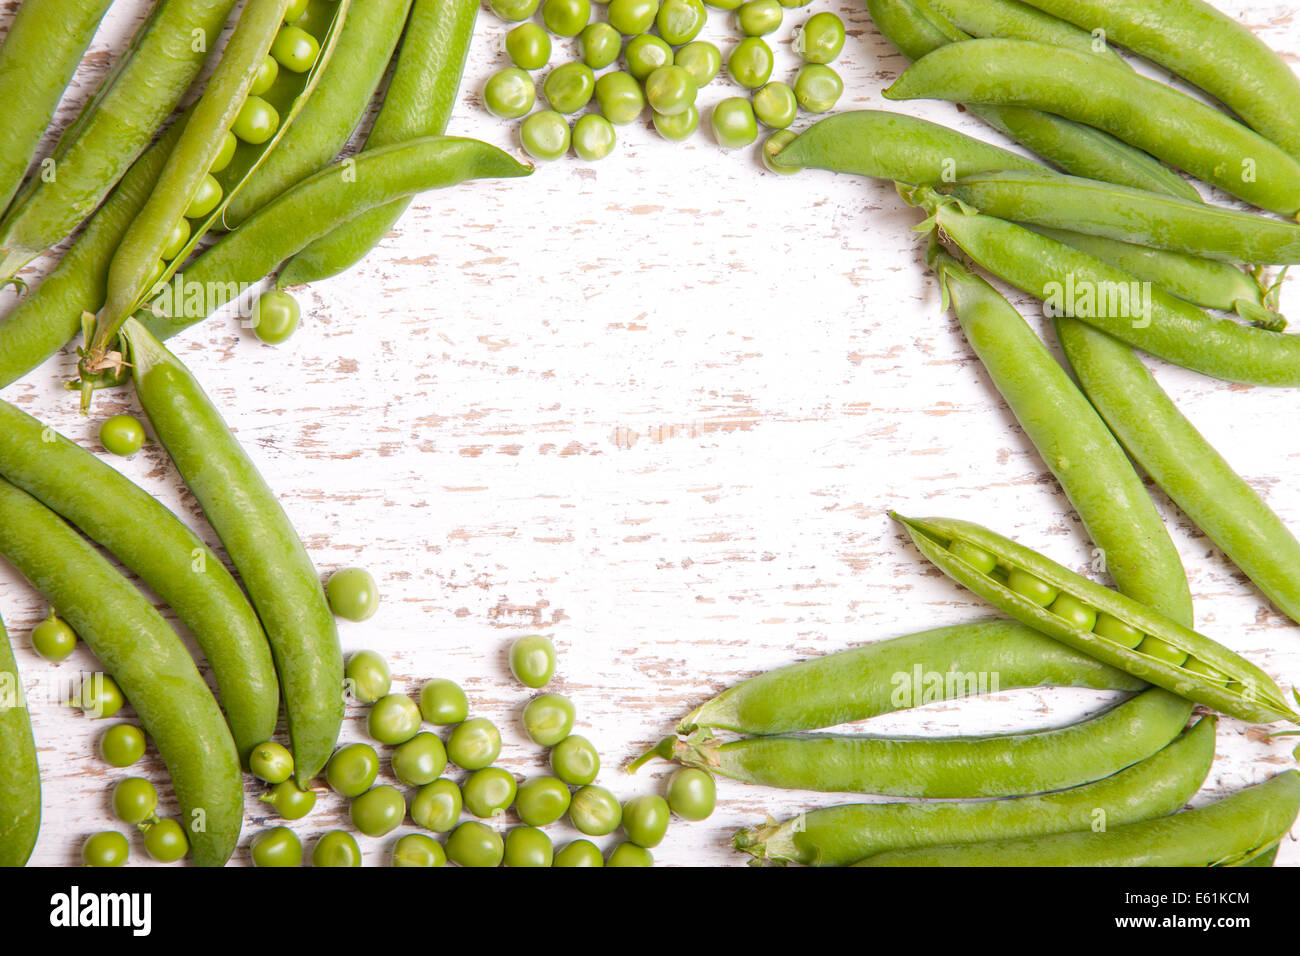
[656,408]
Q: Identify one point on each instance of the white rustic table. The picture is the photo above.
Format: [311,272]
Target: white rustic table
[657,408]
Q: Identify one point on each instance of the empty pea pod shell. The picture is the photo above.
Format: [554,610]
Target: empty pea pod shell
[20,786]
[1249,694]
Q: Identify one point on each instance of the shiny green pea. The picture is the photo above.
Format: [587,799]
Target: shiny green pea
[545,136]
[670,90]
[599,45]
[394,719]
[275,319]
[1112,628]
[107,848]
[378,811]
[474,744]
[367,677]
[176,239]
[772,146]
[692,794]
[542,800]
[758,18]
[548,719]
[442,702]
[532,660]
[266,75]
[353,594]
[733,123]
[821,39]
[271,762]
[1074,612]
[620,98]
[528,846]
[475,844]
[575,761]
[775,105]
[509,93]
[701,59]
[514,9]
[206,198]
[1033,589]
[229,143]
[629,854]
[165,840]
[134,800]
[99,696]
[569,87]
[579,853]
[680,21]
[1198,666]
[256,123]
[566,18]
[1162,650]
[678,127]
[352,769]
[528,46]
[278,846]
[645,54]
[416,849]
[437,806]
[420,761]
[53,639]
[750,64]
[645,820]
[295,49]
[290,802]
[121,435]
[122,745]
[336,848]
[975,556]
[295,10]
[489,792]
[595,811]
[818,87]
[593,137]
[632,17]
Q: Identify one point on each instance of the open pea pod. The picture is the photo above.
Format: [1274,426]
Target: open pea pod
[1123,633]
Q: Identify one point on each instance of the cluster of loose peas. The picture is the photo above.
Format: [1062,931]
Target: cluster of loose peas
[666,66]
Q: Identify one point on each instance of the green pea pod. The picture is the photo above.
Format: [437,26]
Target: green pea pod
[894,146]
[1133,215]
[1209,673]
[1184,464]
[315,207]
[42,47]
[1205,47]
[946,663]
[247,516]
[169,557]
[132,103]
[418,103]
[1168,124]
[1231,832]
[1019,21]
[147,660]
[1095,474]
[947,767]
[20,785]
[917,30]
[840,836]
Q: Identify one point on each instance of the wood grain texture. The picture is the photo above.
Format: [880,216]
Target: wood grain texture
[657,408]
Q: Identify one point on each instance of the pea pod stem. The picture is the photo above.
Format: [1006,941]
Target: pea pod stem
[20,786]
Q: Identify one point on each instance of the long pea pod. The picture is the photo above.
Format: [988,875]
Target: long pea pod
[1123,632]
[1231,832]
[147,660]
[1020,21]
[261,541]
[315,207]
[840,836]
[946,767]
[1183,463]
[884,676]
[918,30]
[1168,124]
[1093,471]
[169,557]
[116,125]
[1205,47]
[418,103]
[20,784]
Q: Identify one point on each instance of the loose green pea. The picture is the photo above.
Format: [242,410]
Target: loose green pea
[645,820]
[509,93]
[599,44]
[290,802]
[645,54]
[692,794]
[569,87]
[475,844]
[548,719]
[336,848]
[474,744]
[122,745]
[680,21]
[775,105]
[394,719]
[575,761]
[975,556]
[121,435]
[620,98]
[1074,612]
[528,846]
[419,761]
[206,198]
[99,696]
[821,39]
[165,840]
[750,64]
[532,661]
[566,18]
[1197,666]
[352,769]
[107,848]
[629,854]
[514,9]
[541,801]
[489,792]
[378,811]
[593,137]
[758,18]
[275,319]
[772,146]
[545,136]
[353,594]
[733,123]
[632,17]
[278,846]
[1162,650]
[256,123]
[595,811]
[1112,628]
[437,806]
[579,853]
[53,639]
[367,677]
[528,46]
[271,762]
[416,849]
[701,59]
[679,126]
[1031,588]
[442,702]
[134,800]
[670,90]
[817,87]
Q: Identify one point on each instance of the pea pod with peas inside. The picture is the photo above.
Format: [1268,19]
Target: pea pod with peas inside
[20,786]
[1020,21]
[145,657]
[1096,620]
[840,836]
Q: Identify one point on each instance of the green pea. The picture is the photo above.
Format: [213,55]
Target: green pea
[353,594]
[775,105]
[336,848]
[595,811]
[165,840]
[528,846]
[723,4]
[290,802]
[394,719]
[419,761]
[733,123]
[821,39]
[367,677]
[271,762]
[818,87]
[772,146]
[645,820]
[629,854]
[1074,612]
[278,846]
[1197,666]
[678,127]
[295,49]
[107,848]
[437,806]
[1162,650]
[266,75]
[750,64]
[599,45]
[134,800]
[475,844]
[352,769]
[575,761]
[489,792]
[225,154]
[569,87]
[295,10]
[1035,590]
[632,17]
[1112,628]
[275,319]
[256,123]
[509,93]
[692,794]
[442,702]
[670,90]
[680,21]
[548,719]
[645,54]
[121,435]
[545,135]
[176,239]
[99,696]
[122,745]
[794,4]
[378,811]
[532,660]
[620,98]
[579,853]
[53,639]
[528,46]
[758,18]
[701,59]
[974,555]
[416,849]
[205,199]
[542,800]
[593,137]
[474,744]
[566,18]
[514,9]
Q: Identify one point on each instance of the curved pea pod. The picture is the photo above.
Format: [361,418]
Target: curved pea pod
[1019,21]
[146,658]
[840,836]
[946,663]
[1232,832]
[1232,685]
[20,784]
[946,767]
[1150,116]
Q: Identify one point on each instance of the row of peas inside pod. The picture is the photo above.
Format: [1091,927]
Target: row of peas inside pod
[665,65]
